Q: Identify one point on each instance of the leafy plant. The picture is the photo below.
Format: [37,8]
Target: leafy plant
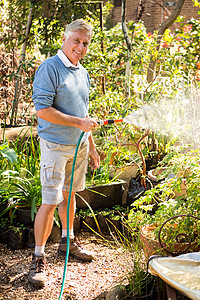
[4,222]
[6,155]
[24,192]
[159,199]
[17,228]
[27,149]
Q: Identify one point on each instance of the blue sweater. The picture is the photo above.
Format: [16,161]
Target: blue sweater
[65,89]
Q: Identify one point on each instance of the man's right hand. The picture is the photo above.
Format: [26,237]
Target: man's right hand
[88,124]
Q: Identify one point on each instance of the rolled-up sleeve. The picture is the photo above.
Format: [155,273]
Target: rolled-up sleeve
[44,86]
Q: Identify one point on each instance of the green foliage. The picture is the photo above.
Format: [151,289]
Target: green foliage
[4,222]
[20,183]
[27,148]
[49,19]
[23,192]
[17,228]
[165,200]
[7,154]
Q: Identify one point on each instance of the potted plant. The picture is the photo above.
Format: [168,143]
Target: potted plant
[116,216]
[24,197]
[16,238]
[174,225]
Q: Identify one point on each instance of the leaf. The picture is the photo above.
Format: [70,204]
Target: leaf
[9,154]
[9,173]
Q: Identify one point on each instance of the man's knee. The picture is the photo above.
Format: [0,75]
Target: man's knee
[47,208]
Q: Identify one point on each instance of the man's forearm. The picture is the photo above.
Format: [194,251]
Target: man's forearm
[91,142]
[55,116]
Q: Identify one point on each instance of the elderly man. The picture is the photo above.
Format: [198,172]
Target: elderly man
[60,95]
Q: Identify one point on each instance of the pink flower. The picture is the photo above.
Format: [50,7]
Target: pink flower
[187,28]
[164,45]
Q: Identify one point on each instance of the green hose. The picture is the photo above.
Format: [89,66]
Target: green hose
[68,206]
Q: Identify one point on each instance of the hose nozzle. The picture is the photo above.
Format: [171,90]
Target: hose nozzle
[110,121]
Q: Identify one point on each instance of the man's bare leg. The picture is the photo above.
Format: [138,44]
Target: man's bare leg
[62,210]
[74,249]
[43,223]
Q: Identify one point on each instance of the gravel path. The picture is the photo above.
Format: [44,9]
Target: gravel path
[83,280]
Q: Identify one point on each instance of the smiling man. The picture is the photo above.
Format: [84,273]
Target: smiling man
[61,97]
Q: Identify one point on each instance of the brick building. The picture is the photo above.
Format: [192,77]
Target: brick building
[155,12]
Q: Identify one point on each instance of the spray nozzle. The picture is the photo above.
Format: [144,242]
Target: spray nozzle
[110,121]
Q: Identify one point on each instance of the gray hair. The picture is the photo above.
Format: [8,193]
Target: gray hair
[78,25]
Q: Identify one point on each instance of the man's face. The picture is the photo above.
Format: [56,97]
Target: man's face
[75,47]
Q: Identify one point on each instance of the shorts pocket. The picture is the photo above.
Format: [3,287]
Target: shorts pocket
[47,173]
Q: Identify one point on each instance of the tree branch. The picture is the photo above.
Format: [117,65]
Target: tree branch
[161,30]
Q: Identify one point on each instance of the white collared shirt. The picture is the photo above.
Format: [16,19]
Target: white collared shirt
[65,60]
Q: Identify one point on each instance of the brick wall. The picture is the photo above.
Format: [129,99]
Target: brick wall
[154,14]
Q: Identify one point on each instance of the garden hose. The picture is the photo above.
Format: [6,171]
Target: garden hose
[104,122]
[68,207]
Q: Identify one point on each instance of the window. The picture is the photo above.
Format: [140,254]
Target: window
[117,3]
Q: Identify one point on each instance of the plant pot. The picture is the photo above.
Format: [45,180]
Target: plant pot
[102,196]
[16,240]
[150,246]
[153,247]
[124,173]
[153,174]
[90,221]
[23,215]
[3,207]
[55,235]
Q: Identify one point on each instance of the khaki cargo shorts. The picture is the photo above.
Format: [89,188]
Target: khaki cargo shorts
[56,166]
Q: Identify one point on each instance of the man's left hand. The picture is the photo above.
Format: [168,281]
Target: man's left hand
[94,159]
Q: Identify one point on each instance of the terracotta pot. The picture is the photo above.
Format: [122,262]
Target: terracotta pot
[124,173]
[150,246]
[153,174]
[153,247]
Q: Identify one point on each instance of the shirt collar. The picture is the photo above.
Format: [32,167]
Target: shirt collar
[65,60]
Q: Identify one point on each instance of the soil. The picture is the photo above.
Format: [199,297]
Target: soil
[83,280]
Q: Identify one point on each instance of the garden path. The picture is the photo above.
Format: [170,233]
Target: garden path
[84,281]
